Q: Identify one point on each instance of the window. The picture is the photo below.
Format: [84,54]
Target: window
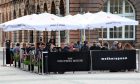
[123,8]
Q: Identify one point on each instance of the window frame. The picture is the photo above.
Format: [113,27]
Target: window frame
[107,5]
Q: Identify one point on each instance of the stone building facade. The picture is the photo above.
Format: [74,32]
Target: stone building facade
[11,9]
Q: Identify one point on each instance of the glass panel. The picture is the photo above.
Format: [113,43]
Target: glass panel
[126,34]
[105,30]
[115,34]
[62,36]
[120,7]
[116,6]
[111,29]
[115,29]
[120,29]
[105,7]
[128,8]
[131,28]
[131,35]
[129,31]
[120,34]
[104,33]
[126,28]
[111,9]
[111,35]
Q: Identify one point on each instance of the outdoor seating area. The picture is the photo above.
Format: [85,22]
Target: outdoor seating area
[42,61]
[64,58]
[51,22]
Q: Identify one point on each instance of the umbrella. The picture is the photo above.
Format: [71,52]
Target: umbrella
[108,20]
[19,23]
[40,22]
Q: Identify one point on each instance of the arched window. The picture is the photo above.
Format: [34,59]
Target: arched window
[25,12]
[38,9]
[53,11]
[45,7]
[61,7]
[123,8]
[14,14]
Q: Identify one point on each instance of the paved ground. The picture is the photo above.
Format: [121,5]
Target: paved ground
[11,75]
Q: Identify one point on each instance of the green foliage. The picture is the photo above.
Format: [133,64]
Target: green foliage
[16,57]
[26,62]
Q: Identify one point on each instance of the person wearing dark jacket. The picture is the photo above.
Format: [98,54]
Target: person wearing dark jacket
[105,47]
[85,47]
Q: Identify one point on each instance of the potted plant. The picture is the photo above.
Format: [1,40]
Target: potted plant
[26,64]
[35,66]
[22,64]
[16,59]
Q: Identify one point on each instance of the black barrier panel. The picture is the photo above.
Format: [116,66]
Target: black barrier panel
[8,56]
[68,61]
[113,60]
[45,62]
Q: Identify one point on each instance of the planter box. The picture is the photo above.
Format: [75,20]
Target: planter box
[17,64]
[26,67]
[35,69]
[14,63]
[22,66]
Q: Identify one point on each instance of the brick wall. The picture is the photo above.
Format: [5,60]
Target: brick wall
[78,6]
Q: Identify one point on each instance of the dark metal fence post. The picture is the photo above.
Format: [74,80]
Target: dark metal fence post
[138,60]
[90,61]
[3,56]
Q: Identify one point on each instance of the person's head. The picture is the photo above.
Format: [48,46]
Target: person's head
[115,43]
[17,44]
[29,45]
[94,43]
[98,44]
[85,42]
[47,44]
[42,46]
[37,45]
[71,43]
[128,46]
[24,45]
[78,42]
[105,44]
[119,45]
[32,45]
[62,45]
